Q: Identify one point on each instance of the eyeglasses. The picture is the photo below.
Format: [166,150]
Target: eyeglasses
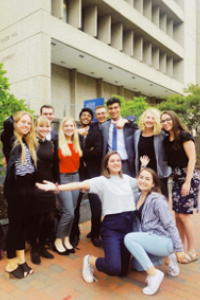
[165,121]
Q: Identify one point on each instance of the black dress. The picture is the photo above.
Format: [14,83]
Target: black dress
[47,169]
[178,161]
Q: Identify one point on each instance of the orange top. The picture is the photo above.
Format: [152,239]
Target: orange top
[69,164]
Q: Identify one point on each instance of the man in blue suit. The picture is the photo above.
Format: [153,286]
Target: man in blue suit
[120,140]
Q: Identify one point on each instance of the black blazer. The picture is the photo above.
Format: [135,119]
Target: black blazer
[128,130]
[92,158]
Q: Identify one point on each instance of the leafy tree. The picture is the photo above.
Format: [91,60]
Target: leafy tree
[8,103]
[135,107]
[186,106]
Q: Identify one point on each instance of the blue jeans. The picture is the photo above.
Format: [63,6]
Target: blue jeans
[146,246]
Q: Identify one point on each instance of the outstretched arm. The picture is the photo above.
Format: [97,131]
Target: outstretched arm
[49,186]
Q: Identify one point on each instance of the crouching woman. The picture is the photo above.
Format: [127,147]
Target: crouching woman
[158,238]
[115,191]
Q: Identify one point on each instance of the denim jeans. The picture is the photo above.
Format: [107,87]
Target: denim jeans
[146,246]
[68,200]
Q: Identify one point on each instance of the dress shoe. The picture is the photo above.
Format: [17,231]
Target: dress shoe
[35,256]
[46,254]
[88,235]
[72,250]
[96,242]
[66,252]
[74,240]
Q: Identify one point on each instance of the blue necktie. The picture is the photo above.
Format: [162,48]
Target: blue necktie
[114,138]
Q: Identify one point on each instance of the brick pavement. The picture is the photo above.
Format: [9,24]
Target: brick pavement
[60,279]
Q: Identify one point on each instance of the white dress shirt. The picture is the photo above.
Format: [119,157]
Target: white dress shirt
[120,141]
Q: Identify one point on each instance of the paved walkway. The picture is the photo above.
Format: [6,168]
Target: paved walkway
[60,279]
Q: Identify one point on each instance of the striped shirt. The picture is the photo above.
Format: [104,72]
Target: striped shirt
[156,218]
[27,166]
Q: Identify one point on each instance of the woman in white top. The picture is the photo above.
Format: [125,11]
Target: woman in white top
[116,191]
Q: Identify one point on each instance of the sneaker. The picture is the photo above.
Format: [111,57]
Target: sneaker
[88,270]
[153,283]
[173,265]
[46,254]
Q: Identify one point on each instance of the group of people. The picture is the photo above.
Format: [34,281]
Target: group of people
[131,193]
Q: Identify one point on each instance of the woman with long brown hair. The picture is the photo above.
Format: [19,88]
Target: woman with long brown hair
[181,156]
[116,192]
[154,233]
[19,146]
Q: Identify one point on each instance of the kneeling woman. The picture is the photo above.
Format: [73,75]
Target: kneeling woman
[158,234]
[116,191]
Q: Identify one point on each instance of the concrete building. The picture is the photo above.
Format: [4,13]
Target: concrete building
[63,52]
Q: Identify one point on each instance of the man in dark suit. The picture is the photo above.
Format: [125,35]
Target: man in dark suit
[90,166]
[48,111]
[120,140]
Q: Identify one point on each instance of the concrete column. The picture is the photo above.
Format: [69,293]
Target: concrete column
[178,70]
[156,15]
[138,4]
[73,77]
[121,91]
[99,88]
[117,36]
[138,48]
[163,22]
[170,27]
[170,66]
[75,13]
[104,29]
[57,8]
[147,9]
[90,20]
[155,58]
[131,2]
[128,42]
[147,54]
[163,62]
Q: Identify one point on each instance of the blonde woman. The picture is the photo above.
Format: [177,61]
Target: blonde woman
[148,141]
[19,146]
[44,205]
[69,154]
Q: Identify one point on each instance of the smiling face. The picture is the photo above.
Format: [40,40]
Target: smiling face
[145,181]
[114,164]
[23,126]
[48,112]
[149,120]
[85,119]
[68,128]
[42,130]
[167,123]
[101,115]
[114,111]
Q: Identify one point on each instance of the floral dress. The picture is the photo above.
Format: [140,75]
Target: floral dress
[178,161]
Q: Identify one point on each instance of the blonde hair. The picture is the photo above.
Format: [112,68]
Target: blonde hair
[63,145]
[30,138]
[157,126]
[42,121]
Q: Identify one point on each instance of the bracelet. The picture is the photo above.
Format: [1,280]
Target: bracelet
[142,166]
[57,191]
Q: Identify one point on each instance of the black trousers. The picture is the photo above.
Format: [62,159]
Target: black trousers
[41,228]
[19,195]
[95,205]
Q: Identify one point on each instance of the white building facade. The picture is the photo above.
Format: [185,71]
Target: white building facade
[62,52]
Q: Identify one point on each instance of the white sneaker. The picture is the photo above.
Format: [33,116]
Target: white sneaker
[173,265]
[153,283]
[88,270]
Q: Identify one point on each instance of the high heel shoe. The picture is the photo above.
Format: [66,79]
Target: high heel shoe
[66,252]
[26,269]
[17,273]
